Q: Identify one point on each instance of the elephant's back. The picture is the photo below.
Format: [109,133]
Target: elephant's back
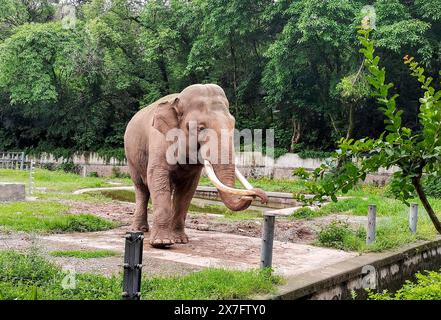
[137,130]
[145,115]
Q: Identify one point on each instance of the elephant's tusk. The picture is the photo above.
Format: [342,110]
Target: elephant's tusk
[243,180]
[221,187]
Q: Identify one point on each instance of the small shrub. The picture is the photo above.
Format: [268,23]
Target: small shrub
[116,173]
[314,154]
[48,166]
[93,174]
[70,167]
[339,235]
[426,287]
[304,213]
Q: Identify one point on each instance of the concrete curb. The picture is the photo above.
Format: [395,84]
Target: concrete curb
[389,270]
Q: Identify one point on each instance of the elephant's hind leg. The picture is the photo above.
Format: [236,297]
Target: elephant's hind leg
[142,196]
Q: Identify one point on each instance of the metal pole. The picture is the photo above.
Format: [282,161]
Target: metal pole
[266,256]
[22,161]
[413,217]
[132,266]
[31,177]
[372,214]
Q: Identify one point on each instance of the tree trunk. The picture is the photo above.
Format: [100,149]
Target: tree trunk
[296,134]
[350,122]
[416,181]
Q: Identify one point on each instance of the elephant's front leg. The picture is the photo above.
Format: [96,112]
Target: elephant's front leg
[160,192]
[184,191]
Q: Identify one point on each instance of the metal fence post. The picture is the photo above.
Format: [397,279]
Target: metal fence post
[413,217]
[31,177]
[22,160]
[132,266]
[372,215]
[266,256]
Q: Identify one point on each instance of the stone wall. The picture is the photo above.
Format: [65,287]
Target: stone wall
[251,164]
[379,271]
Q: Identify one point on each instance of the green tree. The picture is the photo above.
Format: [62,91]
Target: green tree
[413,153]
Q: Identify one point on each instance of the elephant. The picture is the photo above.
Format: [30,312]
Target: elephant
[171,186]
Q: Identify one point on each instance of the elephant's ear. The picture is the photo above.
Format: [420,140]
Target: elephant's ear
[166,116]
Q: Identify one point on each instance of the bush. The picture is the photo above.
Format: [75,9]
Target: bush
[432,186]
[70,167]
[339,235]
[314,154]
[116,173]
[304,213]
[426,287]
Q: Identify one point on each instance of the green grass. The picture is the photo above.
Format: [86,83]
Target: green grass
[391,233]
[84,254]
[58,180]
[426,287]
[28,276]
[46,216]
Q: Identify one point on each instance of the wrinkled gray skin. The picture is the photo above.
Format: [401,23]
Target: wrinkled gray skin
[171,187]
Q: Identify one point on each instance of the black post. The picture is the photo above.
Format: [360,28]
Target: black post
[132,266]
[266,255]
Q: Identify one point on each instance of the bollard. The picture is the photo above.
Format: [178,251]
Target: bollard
[132,266]
[372,215]
[266,256]
[413,217]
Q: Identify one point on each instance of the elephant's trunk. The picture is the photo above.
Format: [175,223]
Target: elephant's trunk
[223,177]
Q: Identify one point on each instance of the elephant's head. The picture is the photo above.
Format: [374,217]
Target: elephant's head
[201,112]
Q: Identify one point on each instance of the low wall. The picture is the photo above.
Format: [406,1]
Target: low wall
[276,200]
[12,192]
[251,164]
[388,270]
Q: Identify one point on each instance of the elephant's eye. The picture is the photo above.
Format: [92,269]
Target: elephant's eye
[201,127]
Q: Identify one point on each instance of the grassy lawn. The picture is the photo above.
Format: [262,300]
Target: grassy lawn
[29,276]
[48,216]
[84,254]
[392,223]
[58,180]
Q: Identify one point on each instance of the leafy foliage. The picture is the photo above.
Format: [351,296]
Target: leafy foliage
[287,65]
[411,153]
[426,287]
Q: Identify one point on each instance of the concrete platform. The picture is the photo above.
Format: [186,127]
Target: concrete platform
[214,249]
[12,191]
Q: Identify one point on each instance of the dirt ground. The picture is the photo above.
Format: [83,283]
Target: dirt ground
[302,232]
[297,231]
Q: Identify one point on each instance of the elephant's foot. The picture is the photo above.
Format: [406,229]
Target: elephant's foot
[161,238]
[180,237]
[140,226]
